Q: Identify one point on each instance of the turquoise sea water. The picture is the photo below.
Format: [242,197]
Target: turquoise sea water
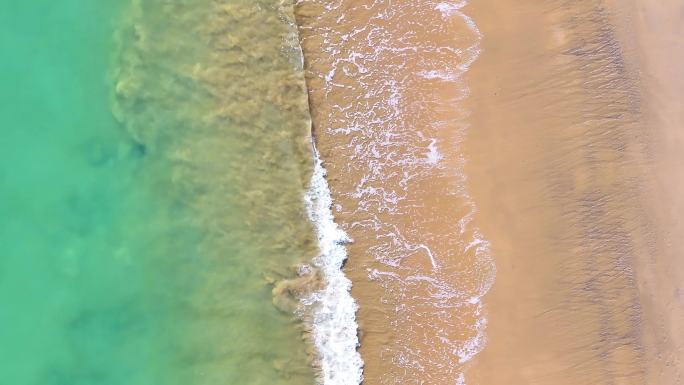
[152,162]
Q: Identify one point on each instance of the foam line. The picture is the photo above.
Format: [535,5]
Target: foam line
[334,327]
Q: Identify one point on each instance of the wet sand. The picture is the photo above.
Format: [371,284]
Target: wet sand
[385,88]
[572,169]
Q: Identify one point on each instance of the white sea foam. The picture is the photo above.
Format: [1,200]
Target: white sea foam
[461,379]
[449,9]
[334,324]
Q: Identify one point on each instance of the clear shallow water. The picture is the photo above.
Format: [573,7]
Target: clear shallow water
[149,204]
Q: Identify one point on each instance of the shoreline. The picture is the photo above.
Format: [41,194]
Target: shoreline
[387,129]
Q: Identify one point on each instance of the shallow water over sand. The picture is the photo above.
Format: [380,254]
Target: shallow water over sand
[215,89]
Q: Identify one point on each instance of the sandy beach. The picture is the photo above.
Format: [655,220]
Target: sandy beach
[532,146]
[573,167]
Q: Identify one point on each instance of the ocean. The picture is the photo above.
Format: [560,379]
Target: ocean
[155,159]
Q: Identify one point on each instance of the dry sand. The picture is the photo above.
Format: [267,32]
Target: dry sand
[658,35]
[567,138]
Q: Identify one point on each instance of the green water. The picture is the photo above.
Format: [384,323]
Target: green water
[152,161]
